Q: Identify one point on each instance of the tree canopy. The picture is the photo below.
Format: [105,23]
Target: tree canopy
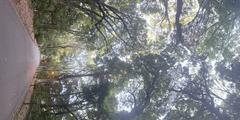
[137,60]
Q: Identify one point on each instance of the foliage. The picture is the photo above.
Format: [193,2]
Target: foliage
[137,60]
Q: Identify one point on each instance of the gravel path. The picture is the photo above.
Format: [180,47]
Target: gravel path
[19,58]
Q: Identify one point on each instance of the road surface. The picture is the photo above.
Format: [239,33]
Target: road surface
[19,58]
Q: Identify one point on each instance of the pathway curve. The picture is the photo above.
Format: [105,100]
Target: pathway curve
[19,58]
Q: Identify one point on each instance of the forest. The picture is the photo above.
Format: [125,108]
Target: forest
[137,60]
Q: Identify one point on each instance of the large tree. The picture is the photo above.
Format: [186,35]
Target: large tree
[142,59]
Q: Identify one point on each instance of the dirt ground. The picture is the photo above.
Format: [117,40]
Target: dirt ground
[25,11]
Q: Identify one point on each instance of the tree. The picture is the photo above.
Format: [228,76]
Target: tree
[123,73]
